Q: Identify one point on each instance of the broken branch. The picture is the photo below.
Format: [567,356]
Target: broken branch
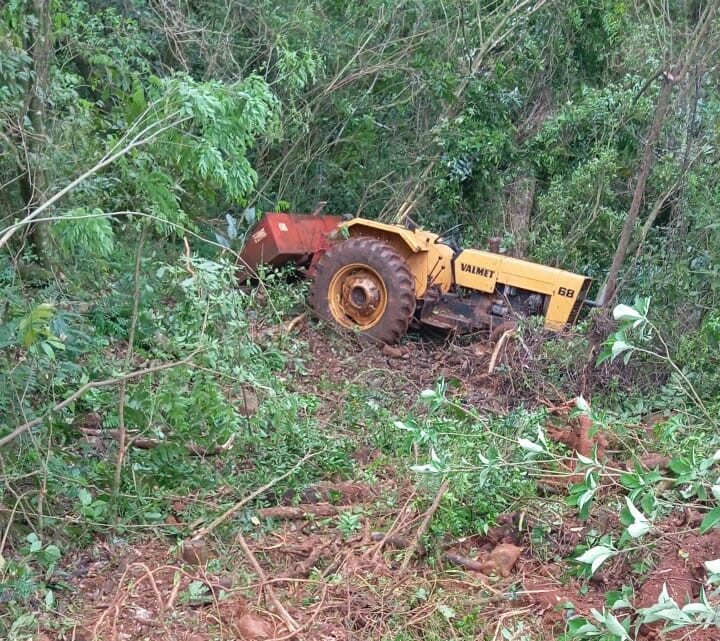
[425,524]
[240,504]
[93,385]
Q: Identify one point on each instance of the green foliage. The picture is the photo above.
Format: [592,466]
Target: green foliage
[25,578]
[636,335]
[89,232]
[487,471]
[35,333]
[229,114]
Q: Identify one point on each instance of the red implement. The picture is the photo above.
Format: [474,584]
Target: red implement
[281,238]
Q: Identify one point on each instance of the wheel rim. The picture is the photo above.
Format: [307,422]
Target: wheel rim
[357,296]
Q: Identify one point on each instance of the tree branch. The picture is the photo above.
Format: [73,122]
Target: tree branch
[122,432]
[93,385]
[137,141]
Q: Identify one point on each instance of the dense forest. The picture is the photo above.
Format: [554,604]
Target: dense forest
[187,454]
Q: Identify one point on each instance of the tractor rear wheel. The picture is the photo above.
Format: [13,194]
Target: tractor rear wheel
[364,284]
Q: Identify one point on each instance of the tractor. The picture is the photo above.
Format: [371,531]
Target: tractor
[377,278]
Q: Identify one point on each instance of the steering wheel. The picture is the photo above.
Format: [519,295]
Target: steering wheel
[454,245]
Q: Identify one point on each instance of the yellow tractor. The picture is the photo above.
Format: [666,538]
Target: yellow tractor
[376,278]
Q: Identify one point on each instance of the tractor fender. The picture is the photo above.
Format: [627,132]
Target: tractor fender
[429,261]
[404,240]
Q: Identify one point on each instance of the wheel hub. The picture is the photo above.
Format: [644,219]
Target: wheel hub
[357,296]
[360,297]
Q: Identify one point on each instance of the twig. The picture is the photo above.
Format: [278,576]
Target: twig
[122,432]
[118,601]
[310,621]
[292,512]
[202,532]
[425,524]
[93,385]
[496,351]
[289,621]
[291,325]
[188,257]
[10,521]
[376,550]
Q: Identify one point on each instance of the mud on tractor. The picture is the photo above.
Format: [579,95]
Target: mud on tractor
[377,278]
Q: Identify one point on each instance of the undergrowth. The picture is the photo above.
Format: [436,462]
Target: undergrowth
[231,400]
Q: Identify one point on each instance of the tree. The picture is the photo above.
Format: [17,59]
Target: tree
[669,79]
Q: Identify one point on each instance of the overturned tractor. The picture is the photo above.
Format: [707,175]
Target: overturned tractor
[376,278]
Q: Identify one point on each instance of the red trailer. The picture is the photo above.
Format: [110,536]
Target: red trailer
[281,238]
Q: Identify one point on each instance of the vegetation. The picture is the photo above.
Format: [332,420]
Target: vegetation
[146,397]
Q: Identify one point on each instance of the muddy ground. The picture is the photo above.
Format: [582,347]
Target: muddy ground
[310,578]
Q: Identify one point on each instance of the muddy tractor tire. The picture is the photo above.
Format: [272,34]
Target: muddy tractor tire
[363,284]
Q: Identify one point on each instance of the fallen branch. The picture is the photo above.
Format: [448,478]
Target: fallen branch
[292,324]
[202,532]
[147,443]
[289,621]
[468,564]
[93,385]
[498,347]
[395,541]
[297,512]
[425,524]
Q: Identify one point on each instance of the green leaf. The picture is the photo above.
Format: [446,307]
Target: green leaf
[640,524]
[596,556]
[637,529]
[713,567]
[429,468]
[52,554]
[446,611]
[530,446]
[618,347]
[582,404]
[625,312]
[710,521]
[84,497]
[615,627]
[34,541]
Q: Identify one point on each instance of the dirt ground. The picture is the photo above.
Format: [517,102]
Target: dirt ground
[337,587]
[309,579]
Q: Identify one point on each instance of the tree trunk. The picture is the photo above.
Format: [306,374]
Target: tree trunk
[669,80]
[35,182]
[609,289]
[520,200]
